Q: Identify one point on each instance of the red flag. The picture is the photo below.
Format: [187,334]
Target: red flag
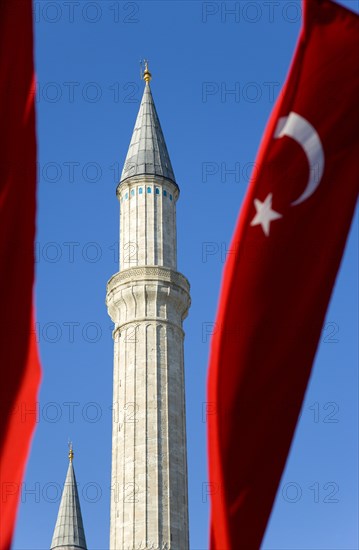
[19,364]
[288,245]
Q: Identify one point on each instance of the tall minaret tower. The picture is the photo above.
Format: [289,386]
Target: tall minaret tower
[148,301]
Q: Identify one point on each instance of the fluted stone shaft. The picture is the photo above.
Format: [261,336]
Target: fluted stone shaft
[148,300]
[148,222]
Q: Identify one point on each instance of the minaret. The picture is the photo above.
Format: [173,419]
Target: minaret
[69,530]
[148,301]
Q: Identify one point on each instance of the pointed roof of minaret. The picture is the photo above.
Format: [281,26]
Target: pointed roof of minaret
[69,530]
[147,153]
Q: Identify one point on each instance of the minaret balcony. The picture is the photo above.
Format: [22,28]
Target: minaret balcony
[148,293]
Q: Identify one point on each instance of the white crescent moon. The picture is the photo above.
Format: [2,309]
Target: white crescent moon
[298,128]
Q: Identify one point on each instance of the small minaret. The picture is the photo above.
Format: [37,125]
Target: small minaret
[69,531]
[148,301]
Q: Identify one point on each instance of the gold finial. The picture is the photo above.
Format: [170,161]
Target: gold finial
[71,452]
[146,75]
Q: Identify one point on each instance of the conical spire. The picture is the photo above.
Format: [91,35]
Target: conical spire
[69,531]
[147,153]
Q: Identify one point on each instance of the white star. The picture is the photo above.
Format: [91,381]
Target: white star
[265,214]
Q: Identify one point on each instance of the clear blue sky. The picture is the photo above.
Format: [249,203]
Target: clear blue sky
[87,58]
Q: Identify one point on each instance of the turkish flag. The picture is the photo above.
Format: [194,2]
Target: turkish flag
[286,251]
[20,371]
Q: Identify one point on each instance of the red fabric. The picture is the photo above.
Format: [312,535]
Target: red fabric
[20,371]
[276,288]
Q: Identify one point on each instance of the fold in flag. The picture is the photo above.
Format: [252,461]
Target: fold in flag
[20,371]
[277,283]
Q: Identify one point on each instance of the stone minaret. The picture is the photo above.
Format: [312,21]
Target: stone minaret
[69,530]
[148,301]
